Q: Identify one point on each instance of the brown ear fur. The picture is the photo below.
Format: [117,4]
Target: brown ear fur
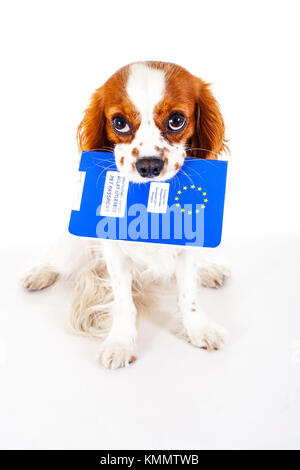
[91,131]
[209,135]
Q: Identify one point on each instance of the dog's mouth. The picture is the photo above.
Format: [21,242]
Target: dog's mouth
[144,169]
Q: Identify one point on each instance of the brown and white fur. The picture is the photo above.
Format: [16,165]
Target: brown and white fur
[109,276]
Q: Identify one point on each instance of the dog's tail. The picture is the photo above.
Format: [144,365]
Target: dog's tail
[92,304]
[90,311]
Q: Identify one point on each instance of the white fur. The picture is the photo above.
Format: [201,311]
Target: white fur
[111,276]
[197,329]
[145,88]
[119,347]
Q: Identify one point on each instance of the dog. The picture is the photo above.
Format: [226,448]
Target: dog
[151,115]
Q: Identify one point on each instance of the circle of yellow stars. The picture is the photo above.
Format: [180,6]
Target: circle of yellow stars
[197,189]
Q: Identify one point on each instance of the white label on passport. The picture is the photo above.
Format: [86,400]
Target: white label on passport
[114,195]
[77,195]
[158,197]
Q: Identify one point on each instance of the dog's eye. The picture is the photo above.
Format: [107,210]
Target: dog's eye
[176,122]
[120,125]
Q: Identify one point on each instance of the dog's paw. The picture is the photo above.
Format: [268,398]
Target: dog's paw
[114,354]
[214,275]
[39,278]
[208,336]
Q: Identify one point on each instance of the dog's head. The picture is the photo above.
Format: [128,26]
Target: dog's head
[153,115]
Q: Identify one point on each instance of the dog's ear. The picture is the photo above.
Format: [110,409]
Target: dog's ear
[209,133]
[91,134]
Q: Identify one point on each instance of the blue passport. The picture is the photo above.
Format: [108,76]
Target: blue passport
[186,210]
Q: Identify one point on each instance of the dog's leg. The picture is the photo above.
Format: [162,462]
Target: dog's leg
[198,330]
[119,348]
[213,275]
[40,277]
[63,259]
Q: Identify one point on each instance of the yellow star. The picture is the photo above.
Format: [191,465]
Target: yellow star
[204,194]
[189,212]
[184,187]
[205,200]
[178,192]
[199,189]
[176,198]
[177,205]
[197,211]
[182,210]
[192,186]
[203,206]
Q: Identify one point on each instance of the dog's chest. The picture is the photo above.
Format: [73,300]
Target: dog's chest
[159,261]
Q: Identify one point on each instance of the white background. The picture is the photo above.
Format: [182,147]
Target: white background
[54,394]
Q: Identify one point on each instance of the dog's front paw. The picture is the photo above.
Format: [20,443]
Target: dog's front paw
[39,278]
[114,354]
[214,275]
[208,336]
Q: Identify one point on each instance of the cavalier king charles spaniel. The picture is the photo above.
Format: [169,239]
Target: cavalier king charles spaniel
[151,115]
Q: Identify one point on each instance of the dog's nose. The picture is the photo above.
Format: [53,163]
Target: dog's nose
[148,167]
